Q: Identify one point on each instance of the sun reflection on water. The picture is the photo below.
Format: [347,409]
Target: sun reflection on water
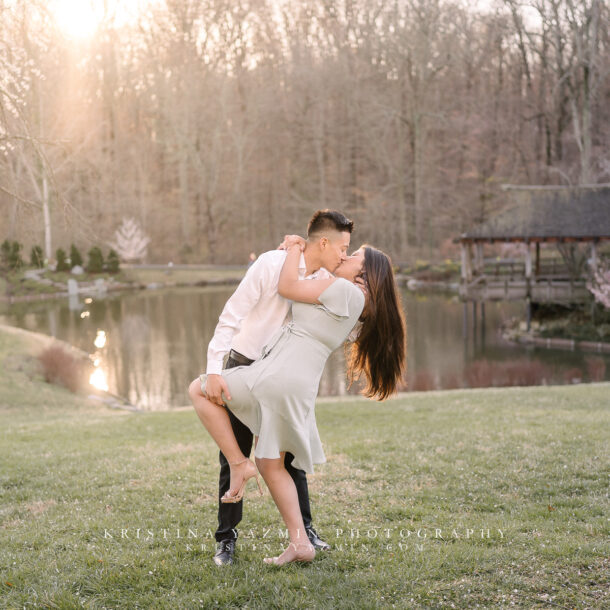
[98,378]
[100,339]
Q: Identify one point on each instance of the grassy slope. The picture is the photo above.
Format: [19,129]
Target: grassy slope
[531,462]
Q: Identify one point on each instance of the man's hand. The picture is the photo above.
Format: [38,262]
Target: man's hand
[292,240]
[215,386]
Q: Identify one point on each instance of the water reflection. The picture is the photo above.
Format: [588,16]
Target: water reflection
[100,340]
[98,379]
[148,346]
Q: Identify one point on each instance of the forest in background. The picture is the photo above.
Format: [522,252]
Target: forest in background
[220,125]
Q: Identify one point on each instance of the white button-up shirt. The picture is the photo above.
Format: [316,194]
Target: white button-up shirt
[254,311]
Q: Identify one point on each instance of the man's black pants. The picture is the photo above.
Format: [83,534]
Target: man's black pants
[229,515]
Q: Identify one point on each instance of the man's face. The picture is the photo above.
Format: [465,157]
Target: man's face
[352,266]
[334,249]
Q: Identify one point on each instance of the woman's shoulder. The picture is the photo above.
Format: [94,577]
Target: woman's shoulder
[340,284]
[349,287]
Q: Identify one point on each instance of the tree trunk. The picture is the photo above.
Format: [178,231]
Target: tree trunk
[46,214]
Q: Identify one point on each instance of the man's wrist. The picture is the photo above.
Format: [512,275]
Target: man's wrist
[214,368]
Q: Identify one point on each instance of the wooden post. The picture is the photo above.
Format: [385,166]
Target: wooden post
[466,253]
[528,261]
[528,276]
[474,323]
[593,257]
[465,321]
[594,270]
[463,260]
[479,258]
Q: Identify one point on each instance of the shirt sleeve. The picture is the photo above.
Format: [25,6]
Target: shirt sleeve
[335,299]
[236,309]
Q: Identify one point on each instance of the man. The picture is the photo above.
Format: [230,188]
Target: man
[250,317]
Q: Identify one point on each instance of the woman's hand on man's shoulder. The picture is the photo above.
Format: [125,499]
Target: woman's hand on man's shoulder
[292,240]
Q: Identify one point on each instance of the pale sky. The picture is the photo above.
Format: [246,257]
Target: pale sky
[80,18]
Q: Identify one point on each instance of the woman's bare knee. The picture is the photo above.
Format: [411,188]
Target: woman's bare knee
[195,389]
[260,464]
[269,466]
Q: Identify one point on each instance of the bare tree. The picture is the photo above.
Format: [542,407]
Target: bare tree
[219,125]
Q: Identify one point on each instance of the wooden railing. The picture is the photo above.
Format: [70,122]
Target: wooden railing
[515,270]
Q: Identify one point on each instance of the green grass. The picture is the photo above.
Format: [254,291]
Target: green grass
[532,463]
[15,283]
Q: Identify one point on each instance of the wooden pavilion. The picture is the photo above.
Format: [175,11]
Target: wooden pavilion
[565,216]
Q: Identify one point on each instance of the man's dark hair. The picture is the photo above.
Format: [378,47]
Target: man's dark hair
[325,220]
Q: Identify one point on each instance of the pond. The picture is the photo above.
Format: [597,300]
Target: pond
[148,345]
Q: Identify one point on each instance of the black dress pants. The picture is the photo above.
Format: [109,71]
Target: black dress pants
[229,515]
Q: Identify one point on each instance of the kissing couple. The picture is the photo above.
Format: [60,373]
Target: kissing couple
[268,387]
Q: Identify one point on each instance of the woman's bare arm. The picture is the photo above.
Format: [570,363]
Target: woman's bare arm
[290,287]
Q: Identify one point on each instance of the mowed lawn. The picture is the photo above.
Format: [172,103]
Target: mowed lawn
[488,498]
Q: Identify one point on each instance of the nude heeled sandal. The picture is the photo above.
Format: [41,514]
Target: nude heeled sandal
[240,492]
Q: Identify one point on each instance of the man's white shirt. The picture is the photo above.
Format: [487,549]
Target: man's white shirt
[254,311]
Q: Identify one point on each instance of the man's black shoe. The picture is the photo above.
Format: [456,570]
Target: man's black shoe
[225,552]
[317,542]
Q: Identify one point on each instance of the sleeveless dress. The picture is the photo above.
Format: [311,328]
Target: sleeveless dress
[275,396]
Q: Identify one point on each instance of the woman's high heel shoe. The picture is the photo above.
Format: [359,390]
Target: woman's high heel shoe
[304,556]
[226,499]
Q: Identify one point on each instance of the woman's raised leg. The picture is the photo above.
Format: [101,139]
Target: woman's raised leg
[285,495]
[216,421]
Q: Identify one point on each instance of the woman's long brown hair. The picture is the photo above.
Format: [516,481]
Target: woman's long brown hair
[380,349]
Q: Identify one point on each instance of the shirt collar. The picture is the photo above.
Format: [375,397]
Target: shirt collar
[303,270]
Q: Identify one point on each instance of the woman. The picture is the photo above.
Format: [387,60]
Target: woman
[275,396]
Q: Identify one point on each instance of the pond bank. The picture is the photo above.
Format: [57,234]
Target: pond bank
[21,351]
[24,287]
[562,328]
[555,343]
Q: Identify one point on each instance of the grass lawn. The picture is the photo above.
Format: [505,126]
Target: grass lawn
[529,465]
[15,283]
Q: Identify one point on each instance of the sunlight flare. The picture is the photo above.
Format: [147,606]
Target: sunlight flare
[98,380]
[78,18]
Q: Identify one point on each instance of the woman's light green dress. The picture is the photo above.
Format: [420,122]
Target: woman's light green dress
[275,395]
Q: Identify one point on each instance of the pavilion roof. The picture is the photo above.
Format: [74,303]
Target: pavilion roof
[542,213]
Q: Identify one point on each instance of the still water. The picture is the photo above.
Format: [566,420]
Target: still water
[149,345]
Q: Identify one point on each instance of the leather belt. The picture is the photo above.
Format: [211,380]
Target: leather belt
[240,358]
